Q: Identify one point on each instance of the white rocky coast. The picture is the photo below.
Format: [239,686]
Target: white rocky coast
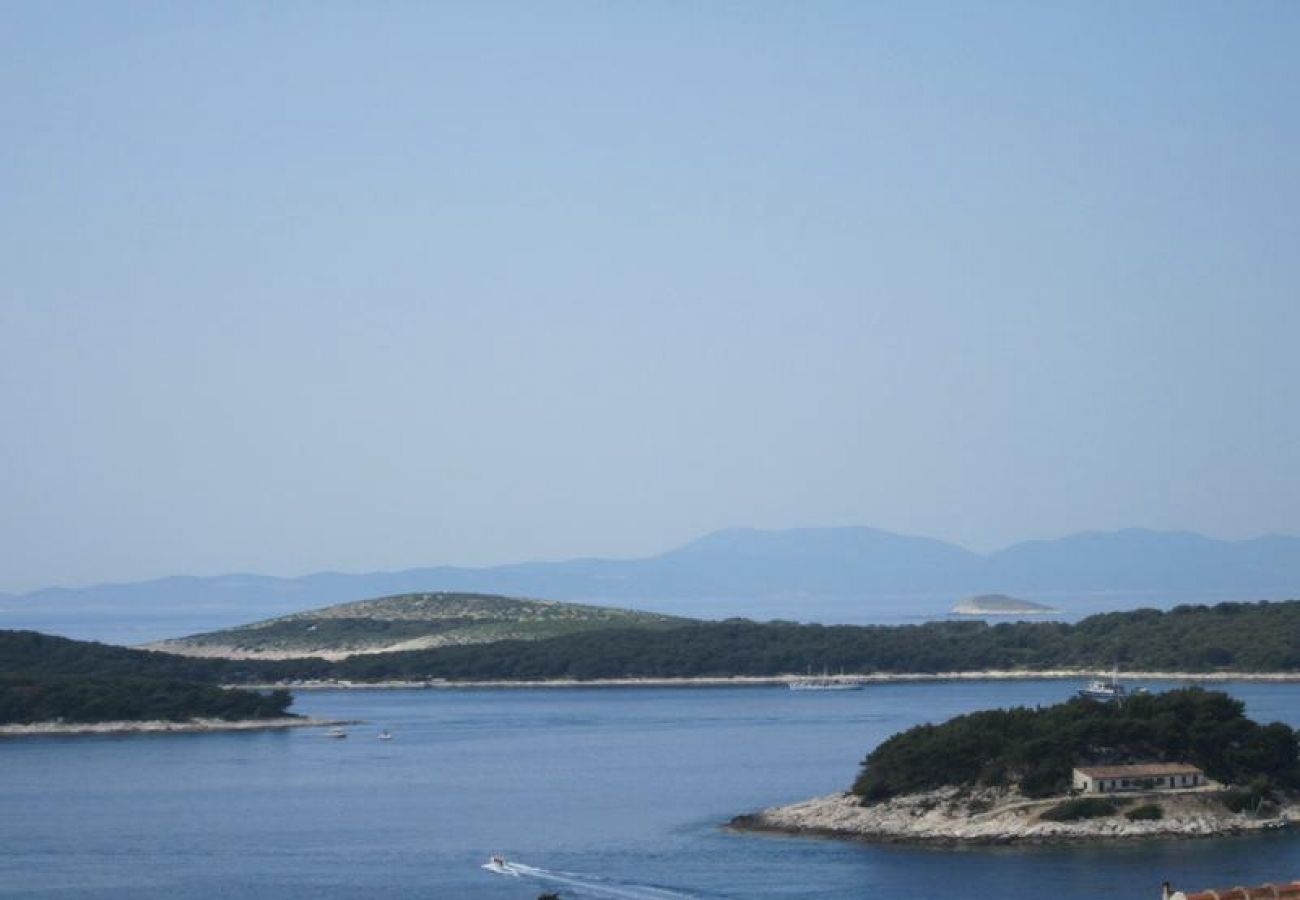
[160,727]
[956,816]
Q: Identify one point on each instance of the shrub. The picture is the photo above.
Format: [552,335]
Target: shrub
[1147,812]
[1258,793]
[1237,801]
[1081,808]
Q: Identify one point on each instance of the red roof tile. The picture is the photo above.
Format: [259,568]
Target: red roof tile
[1145,770]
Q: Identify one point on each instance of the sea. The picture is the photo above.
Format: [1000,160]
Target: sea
[601,792]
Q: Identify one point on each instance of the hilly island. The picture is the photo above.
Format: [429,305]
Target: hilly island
[1225,640]
[408,622]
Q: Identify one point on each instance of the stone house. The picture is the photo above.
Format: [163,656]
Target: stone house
[1141,777]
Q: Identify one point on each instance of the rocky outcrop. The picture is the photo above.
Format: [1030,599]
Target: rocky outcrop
[958,816]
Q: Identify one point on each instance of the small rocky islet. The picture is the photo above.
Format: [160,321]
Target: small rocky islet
[996,816]
[1023,776]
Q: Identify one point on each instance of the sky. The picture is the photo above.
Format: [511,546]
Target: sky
[317,286]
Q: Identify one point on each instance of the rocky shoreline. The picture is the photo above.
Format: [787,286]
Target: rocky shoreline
[954,816]
[772,680]
[38,729]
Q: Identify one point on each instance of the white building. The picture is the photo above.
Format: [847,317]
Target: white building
[1143,777]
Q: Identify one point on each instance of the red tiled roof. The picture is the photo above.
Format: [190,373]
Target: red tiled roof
[1146,770]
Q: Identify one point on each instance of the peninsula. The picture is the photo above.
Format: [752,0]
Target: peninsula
[1185,763]
[76,704]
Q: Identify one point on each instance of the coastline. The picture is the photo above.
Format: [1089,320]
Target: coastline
[157,726]
[950,817]
[776,680]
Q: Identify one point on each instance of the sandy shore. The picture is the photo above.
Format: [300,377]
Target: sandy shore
[953,817]
[161,727]
[779,680]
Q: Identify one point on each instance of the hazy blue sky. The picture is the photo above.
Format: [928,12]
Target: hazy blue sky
[289,287]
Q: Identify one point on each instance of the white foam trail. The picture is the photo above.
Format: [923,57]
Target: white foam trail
[507,869]
[590,885]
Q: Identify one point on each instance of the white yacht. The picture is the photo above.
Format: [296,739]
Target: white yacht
[825,682]
[1107,691]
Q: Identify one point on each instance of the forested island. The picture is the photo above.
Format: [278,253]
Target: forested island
[1006,775]
[60,698]
[77,685]
[1223,639]
[1240,637]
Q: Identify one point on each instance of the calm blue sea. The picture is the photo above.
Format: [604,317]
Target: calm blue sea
[604,792]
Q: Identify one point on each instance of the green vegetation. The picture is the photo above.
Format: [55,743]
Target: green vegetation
[1080,808]
[1147,812]
[1231,636]
[25,699]
[417,621]
[1255,794]
[1036,749]
[1227,637]
[32,653]
[44,678]
[1237,801]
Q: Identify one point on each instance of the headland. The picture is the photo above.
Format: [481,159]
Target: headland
[954,816]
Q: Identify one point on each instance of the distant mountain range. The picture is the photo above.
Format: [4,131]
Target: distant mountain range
[808,574]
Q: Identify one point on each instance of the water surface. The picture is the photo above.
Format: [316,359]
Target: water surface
[603,792]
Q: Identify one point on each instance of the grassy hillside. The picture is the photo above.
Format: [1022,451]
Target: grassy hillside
[409,622]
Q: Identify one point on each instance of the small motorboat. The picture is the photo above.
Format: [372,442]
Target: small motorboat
[337,733]
[499,865]
[385,735]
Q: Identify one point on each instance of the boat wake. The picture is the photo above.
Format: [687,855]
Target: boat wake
[581,885]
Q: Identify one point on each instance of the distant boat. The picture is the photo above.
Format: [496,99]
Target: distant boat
[1104,691]
[499,865]
[825,682]
[385,735]
[337,733]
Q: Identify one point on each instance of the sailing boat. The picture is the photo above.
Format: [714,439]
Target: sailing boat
[824,682]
